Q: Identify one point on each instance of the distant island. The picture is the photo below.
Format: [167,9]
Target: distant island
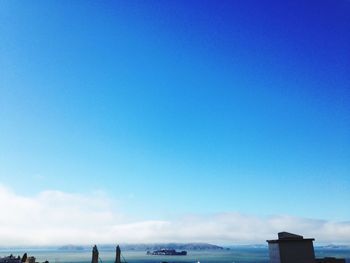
[167,252]
[146,247]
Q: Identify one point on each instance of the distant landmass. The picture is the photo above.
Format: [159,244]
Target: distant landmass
[250,246]
[157,246]
[332,247]
[146,247]
[72,248]
[167,252]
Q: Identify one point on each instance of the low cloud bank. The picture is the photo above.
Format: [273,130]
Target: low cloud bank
[56,218]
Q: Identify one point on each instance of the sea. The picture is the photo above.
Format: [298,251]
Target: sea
[232,255]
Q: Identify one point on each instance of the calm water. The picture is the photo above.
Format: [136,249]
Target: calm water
[239,255]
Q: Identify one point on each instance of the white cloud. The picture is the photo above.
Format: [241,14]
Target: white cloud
[55,217]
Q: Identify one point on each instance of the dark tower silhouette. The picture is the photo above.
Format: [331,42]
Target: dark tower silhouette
[24,258]
[117,255]
[94,255]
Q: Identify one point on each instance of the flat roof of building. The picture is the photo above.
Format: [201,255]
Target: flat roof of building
[289,240]
[289,237]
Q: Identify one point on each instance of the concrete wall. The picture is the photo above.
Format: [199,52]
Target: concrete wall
[297,252]
[274,253]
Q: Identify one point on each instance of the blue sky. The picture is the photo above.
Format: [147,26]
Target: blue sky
[179,107]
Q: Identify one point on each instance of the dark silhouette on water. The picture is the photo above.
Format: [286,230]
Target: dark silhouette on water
[167,252]
[94,255]
[117,255]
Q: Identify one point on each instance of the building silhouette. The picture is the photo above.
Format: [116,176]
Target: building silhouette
[292,248]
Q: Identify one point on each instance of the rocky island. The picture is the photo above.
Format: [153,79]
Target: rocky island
[167,252]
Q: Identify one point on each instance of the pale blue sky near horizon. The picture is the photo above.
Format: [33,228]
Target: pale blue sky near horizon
[177,107]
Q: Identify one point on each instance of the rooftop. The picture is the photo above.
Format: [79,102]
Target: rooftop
[289,237]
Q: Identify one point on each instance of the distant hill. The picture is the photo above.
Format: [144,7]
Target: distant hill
[250,246]
[331,246]
[72,248]
[146,247]
[176,246]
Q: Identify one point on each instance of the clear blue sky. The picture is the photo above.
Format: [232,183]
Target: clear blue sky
[201,106]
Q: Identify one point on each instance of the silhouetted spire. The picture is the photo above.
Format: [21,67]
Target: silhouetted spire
[94,255]
[24,258]
[117,255]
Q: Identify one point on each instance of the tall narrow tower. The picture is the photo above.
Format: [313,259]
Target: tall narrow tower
[94,255]
[117,255]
